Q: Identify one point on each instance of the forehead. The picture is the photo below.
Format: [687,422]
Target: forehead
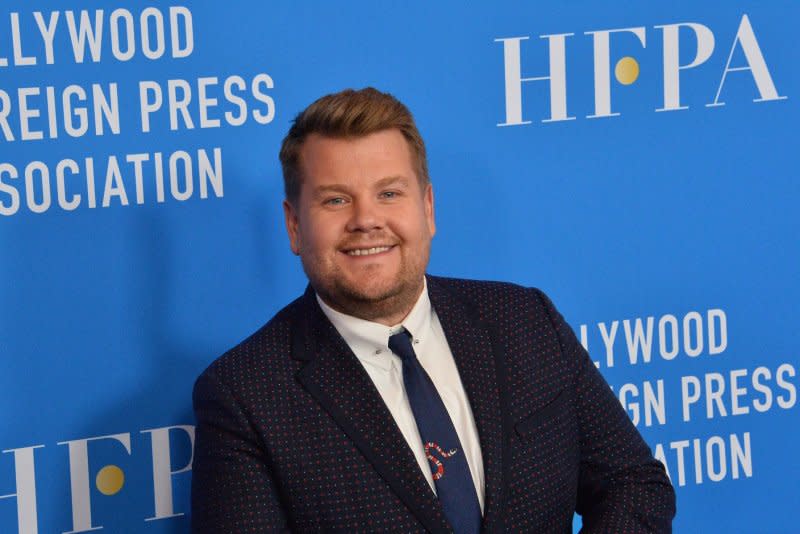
[325,159]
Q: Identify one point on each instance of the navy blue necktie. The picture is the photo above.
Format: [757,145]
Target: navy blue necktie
[451,474]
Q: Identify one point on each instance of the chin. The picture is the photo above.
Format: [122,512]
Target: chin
[372,292]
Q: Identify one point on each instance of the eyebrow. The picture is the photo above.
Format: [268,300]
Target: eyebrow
[391,180]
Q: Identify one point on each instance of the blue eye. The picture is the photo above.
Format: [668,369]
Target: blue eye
[334,201]
[389,194]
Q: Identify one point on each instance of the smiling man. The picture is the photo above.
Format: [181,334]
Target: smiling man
[363,223]
[388,400]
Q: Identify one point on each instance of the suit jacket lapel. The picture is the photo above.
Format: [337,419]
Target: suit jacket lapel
[474,347]
[336,379]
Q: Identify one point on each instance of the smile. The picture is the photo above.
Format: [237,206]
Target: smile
[366,251]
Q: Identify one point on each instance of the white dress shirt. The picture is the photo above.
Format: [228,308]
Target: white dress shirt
[370,343]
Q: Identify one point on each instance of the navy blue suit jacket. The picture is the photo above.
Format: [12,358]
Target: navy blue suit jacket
[293,436]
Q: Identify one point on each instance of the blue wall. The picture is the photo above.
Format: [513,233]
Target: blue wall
[643,205]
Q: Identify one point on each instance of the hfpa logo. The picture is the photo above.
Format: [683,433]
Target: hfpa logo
[627,69]
[108,480]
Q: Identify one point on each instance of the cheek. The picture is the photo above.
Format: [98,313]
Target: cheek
[319,237]
[421,225]
[415,238]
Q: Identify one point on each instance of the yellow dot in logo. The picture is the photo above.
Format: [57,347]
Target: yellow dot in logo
[627,70]
[110,480]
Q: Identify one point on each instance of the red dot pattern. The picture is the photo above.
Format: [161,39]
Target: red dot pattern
[277,416]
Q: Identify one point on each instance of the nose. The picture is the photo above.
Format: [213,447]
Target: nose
[365,216]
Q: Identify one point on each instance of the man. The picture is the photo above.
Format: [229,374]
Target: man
[387,400]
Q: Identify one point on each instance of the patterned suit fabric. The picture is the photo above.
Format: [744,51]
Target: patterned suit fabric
[293,436]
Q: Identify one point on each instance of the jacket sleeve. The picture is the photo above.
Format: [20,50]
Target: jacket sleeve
[621,486]
[232,487]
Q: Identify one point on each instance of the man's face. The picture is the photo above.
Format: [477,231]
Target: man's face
[362,224]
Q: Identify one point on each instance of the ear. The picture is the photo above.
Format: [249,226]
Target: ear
[290,217]
[427,202]
[429,211]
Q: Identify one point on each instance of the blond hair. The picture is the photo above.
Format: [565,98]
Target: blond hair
[349,113]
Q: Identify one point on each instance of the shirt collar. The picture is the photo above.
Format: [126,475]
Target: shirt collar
[370,339]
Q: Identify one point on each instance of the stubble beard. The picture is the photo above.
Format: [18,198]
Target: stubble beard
[378,304]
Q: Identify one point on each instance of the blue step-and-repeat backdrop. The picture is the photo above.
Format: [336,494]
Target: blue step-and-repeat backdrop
[637,161]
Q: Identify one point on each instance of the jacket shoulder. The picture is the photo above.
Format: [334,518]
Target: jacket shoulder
[493,300]
[522,317]
[267,350]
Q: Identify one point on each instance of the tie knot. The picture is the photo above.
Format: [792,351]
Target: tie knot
[400,344]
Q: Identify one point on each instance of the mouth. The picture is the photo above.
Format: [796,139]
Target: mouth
[368,251]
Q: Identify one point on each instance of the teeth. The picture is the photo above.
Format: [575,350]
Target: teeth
[367,251]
